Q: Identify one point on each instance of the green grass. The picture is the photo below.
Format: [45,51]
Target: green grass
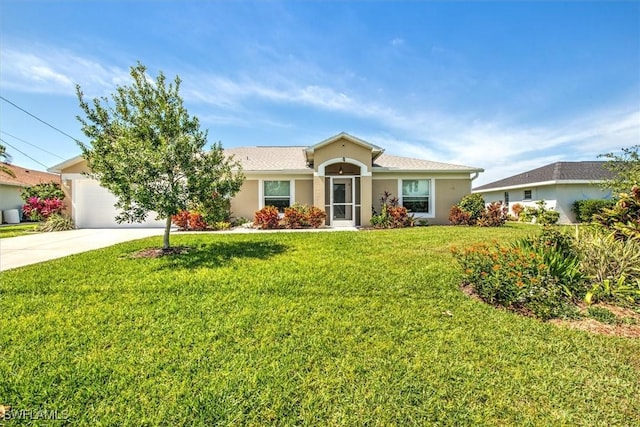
[7,231]
[297,329]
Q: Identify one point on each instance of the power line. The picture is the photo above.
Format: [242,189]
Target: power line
[23,153]
[33,145]
[39,119]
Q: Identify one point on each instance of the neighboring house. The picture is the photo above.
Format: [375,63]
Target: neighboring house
[559,184]
[11,187]
[344,175]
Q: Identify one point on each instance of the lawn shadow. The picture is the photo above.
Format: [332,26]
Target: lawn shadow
[218,254]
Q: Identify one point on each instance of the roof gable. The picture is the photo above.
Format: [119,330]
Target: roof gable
[375,150]
[554,173]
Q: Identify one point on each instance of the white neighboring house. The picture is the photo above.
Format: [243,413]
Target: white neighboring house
[559,184]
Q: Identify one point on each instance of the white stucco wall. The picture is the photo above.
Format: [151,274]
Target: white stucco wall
[10,198]
[559,197]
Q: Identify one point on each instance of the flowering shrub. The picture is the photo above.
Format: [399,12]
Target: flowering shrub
[537,275]
[267,217]
[37,209]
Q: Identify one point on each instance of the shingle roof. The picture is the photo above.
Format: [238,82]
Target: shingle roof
[293,158]
[408,163]
[26,177]
[559,171]
[269,158]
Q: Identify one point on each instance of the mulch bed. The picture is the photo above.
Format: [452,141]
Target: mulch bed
[159,252]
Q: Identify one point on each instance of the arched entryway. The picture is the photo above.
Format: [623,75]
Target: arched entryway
[342,191]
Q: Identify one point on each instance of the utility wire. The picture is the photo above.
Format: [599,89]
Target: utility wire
[33,145]
[38,119]
[23,153]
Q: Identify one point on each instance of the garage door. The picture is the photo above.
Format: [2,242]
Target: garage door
[94,207]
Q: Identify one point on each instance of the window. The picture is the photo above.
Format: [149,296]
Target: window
[415,195]
[506,198]
[278,194]
[527,194]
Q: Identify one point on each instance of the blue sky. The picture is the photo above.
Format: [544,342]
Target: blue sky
[506,86]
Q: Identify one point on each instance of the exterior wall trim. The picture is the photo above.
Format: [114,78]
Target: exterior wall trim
[364,169]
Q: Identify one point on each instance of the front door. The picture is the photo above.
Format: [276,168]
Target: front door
[342,202]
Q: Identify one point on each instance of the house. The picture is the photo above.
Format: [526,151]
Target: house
[559,184]
[343,174]
[11,187]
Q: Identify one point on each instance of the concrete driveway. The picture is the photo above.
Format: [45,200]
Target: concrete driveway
[25,250]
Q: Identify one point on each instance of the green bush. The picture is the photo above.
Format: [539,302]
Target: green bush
[539,214]
[48,190]
[586,209]
[57,222]
[611,264]
[623,219]
[473,204]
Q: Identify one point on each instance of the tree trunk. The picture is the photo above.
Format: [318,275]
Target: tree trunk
[167,230]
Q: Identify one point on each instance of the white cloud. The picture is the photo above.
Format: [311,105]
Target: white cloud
[55,71]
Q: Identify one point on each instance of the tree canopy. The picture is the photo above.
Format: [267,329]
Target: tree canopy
[626,167]
[150,153]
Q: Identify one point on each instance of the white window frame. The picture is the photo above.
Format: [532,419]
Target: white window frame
[524,195]
[430,196]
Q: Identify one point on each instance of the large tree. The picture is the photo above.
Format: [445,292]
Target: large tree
[626,168]
[150,153]
[5,157]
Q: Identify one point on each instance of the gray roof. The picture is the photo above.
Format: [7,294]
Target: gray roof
[271,158]
[554,172]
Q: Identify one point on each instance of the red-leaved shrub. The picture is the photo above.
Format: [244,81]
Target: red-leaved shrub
[267,217]
[37,209]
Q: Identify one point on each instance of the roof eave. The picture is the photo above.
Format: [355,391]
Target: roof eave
[539,184]
[67,163]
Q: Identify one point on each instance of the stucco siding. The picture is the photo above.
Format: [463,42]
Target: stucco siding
[378,187]
[342,148]
[10,199]
[448,192]
[245,203]
[304,192]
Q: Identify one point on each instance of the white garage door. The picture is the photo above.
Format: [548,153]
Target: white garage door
[93,207]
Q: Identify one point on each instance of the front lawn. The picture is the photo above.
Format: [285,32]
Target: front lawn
[7,231]
[347,328]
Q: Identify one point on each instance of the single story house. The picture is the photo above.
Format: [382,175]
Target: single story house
[11,187]
[559,184]
[344,175]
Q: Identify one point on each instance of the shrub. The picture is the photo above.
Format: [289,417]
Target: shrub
[267,217]
[537,275]
[392,215]
[494,215]
[220,225]
[624,217]
[49,190]
[37,209]
[612,265]
[540,214]
[586,209]
[517,210]
[317,217]
[189,221]
[459,217]
[57,222]
[301,216]
[472,211]
[474,205]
